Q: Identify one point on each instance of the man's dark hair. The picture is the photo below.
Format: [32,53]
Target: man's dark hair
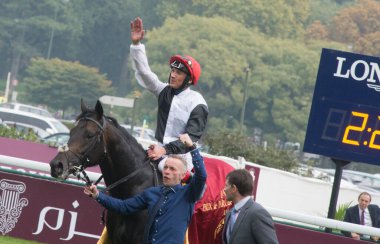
[365,193]
[243,181]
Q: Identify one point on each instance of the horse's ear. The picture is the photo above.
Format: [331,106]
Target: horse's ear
[83,107]
[99,110]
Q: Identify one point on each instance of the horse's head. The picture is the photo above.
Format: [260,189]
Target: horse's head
[86,145]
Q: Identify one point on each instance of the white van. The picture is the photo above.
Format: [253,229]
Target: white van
[48,124]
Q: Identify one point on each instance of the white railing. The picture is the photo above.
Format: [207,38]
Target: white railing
[275,212]
[323,222]
[43,169]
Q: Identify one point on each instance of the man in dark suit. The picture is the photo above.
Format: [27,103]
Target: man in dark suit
[247,221]
[363,213]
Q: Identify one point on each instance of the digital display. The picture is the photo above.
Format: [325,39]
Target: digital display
[344,121]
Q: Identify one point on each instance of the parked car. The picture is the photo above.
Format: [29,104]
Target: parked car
[26,108]
[140,132]
[57,139]
[49,125]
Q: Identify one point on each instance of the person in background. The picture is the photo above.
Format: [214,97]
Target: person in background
[180,109]
[170,206]
[363,213]
[247,221]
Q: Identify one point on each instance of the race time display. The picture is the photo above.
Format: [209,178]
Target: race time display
[344,121]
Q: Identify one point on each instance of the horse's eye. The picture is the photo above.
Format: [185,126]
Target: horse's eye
[89,135]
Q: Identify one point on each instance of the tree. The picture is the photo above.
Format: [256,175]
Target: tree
[225,36]
[316,31]
[358,26]
[276,18]
[26,30]
[105,38]
[234,145]
[325,10]
[62,84]
[280,84]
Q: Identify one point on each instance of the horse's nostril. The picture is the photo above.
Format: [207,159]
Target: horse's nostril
[57,170]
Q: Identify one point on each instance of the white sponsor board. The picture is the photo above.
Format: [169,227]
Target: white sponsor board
[117,101]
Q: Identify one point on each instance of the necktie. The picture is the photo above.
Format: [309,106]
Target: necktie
[234,214]
[362,218]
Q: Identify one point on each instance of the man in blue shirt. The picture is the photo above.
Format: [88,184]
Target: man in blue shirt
[170,206]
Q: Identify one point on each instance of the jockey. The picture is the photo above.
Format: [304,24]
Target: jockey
[180,109]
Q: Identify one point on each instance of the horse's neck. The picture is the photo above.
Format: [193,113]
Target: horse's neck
[121,161]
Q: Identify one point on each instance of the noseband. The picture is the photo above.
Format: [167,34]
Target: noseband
[83,159]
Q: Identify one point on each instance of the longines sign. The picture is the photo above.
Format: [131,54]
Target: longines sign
[47,211]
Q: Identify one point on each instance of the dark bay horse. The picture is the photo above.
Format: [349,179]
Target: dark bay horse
[99,140]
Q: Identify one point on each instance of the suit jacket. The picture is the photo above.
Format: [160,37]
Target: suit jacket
[254,225]
[352,216]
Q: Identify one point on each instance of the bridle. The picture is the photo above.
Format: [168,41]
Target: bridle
[83,158]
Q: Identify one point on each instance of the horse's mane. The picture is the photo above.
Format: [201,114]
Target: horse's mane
[116,124]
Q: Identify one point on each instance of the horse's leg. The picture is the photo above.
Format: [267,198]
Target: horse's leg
[126,230]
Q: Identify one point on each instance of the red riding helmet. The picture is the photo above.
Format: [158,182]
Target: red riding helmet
[192,67]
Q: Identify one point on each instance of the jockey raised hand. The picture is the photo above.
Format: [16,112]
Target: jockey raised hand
[137,31]
[180,109]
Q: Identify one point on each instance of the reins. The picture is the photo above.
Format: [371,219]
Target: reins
[124,179]
[83,159]
[78,170]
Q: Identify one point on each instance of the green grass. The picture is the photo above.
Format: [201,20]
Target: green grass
[12,240]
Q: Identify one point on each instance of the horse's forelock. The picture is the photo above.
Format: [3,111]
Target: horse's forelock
[86,114]
[79,117]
